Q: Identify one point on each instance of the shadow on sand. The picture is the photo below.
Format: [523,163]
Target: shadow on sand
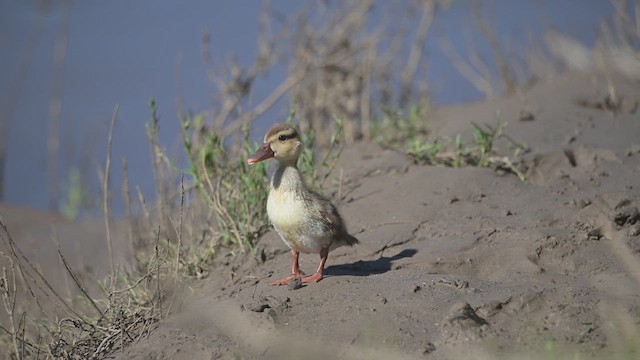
[368,267]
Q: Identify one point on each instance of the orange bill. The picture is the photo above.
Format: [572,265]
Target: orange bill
[263,153]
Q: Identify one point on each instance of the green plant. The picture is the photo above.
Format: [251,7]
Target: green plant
[233,190]
[424,151]
[484,138]
[461,152]
[396,127]
[75,194]
[480,152]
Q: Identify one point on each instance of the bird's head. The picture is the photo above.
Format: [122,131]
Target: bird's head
[281,142]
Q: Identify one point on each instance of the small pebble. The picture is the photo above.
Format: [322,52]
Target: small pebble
[429,348]
[294,284]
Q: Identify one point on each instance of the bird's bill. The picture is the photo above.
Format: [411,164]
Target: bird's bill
[263,153]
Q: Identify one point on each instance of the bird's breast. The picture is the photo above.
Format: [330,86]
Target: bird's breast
[285,209]
[296,226]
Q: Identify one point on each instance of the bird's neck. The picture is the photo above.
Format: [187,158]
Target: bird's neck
[287,177]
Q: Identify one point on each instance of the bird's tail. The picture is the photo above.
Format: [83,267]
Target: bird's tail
[344,240]
[350,240]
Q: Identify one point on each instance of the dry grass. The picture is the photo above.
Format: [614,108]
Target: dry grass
[96,325]
[338,65]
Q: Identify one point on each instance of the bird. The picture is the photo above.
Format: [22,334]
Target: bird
[305,220]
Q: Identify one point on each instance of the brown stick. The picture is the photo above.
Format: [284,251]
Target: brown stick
[127,203]
[158,272]
[180,222]
[506,75]
[428,14]
[77,281]
[105,191]
[267,103]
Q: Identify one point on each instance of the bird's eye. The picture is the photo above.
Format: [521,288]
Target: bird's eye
[282,137]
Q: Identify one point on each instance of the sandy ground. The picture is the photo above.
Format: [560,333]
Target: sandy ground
[453,263]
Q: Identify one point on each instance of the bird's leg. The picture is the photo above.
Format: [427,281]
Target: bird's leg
[295,270]
[324,253]
[295,267]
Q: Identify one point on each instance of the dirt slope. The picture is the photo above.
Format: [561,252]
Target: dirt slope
[454,263]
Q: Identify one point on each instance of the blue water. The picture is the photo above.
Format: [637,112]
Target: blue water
[125,52]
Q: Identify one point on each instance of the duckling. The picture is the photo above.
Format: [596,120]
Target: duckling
[307,222]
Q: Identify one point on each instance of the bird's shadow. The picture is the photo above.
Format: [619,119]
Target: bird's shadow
[368,267]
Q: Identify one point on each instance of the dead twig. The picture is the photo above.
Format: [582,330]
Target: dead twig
[429,9]
[77,282]
[27,271]
[126,195]
[159,291]
[180,224]
[106,210]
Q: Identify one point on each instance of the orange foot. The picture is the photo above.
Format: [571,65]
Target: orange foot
[313,278]
[286,280]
